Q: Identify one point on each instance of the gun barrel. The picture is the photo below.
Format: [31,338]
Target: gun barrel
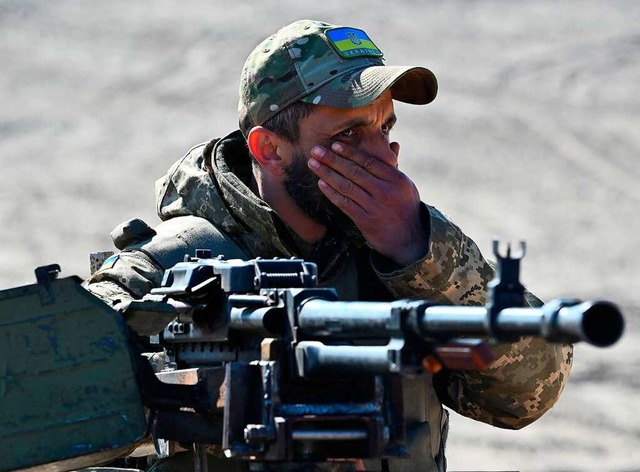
[597,322]
[323,318]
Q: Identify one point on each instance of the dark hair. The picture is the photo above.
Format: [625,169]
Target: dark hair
[286,122]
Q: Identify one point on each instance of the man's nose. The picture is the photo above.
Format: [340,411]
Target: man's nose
[378,145]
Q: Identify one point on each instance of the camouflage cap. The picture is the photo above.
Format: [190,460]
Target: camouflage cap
[324,64]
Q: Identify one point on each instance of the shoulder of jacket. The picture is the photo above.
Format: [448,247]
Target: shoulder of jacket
[204,147]
[169,242]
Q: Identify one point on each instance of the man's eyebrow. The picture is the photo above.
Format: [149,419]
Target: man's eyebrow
[393,118]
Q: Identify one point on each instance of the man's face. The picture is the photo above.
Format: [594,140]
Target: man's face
[365,129]
[302,186]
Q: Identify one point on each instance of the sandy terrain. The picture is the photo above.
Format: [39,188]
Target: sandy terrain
[534,135]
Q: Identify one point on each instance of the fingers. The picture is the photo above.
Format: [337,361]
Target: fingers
[356,165]
[351,184]
[347,185]
[348,180]
[381,200]
[357,174]
[348,205]
[341,191]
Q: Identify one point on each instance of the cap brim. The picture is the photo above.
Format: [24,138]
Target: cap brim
[360,87]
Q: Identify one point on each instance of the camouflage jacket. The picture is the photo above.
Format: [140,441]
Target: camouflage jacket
[211,182]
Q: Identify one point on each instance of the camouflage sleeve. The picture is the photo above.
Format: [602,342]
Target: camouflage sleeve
[453,272]
[126,276]
[527,376]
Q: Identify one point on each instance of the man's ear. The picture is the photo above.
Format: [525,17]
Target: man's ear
[263,144]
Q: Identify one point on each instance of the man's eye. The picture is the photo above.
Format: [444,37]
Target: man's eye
[386,128]
[347,133]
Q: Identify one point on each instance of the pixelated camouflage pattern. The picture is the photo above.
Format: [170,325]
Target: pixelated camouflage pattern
[452,273]
[535,373]
[527,377]
[96,259]
[298,63]
[131,275]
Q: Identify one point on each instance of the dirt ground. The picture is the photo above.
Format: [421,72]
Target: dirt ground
[534,135]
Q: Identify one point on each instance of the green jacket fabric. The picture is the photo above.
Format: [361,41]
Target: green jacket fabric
[210,184]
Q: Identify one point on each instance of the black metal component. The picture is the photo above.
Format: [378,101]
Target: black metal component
[597,322]
[203,253]
[505,290]
[186,278]
[243,386]
[188,427]
[284,273]
[200,461]
[44,276]
[201,396]
[314,358]
[329,409]
[311,378]
[393,411]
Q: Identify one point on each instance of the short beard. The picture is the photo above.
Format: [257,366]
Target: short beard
[302,186]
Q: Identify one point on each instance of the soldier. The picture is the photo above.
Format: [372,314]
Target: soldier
[313,173]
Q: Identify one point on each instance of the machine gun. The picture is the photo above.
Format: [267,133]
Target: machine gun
[283,371]
[261,362]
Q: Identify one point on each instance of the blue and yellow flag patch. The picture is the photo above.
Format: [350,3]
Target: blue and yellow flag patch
[352,42]
[110,262]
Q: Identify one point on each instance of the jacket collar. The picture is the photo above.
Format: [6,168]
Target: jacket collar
[231,164]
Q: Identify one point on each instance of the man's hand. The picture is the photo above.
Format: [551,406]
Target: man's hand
[382,201]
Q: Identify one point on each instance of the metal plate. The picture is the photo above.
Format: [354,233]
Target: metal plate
[68,390]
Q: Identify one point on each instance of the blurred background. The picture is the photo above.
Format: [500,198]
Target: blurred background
[535,135]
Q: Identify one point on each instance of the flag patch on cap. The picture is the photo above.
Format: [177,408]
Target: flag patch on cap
[352,42]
